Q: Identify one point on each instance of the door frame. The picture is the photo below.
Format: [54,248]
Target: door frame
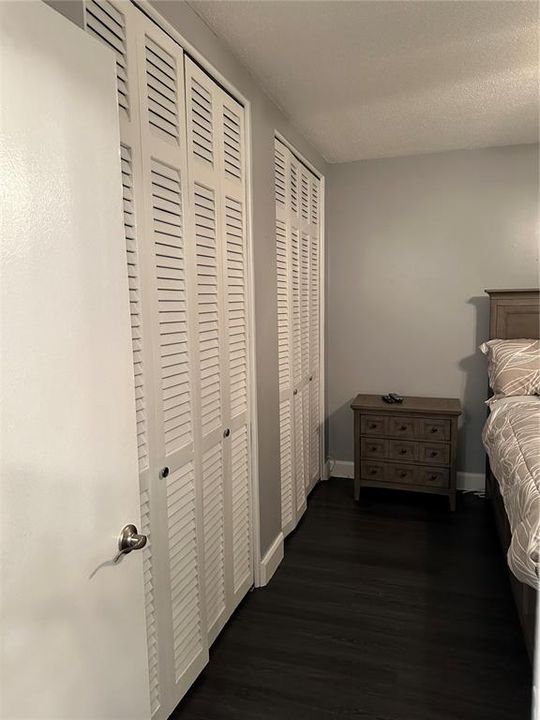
[322,298]
[207,66]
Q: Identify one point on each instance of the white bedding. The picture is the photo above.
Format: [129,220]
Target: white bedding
[512,440]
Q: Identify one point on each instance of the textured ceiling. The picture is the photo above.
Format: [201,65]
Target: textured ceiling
[372,78]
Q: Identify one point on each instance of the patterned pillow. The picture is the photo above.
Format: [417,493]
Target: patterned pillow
[513,366]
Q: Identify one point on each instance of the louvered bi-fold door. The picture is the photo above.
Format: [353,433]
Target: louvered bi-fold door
[314,422]
[152,129]
[297,193]
[176,497]
[215,126]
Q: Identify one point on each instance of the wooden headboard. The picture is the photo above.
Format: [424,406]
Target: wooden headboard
[514,314]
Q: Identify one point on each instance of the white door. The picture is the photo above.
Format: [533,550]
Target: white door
[73,624]
[298,250]
[215,143]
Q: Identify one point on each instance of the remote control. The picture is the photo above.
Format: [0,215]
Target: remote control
[395,397]
[387,399]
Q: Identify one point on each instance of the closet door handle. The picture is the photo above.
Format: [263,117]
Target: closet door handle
[226,433]
[128,540]
[295,392]
[164,472]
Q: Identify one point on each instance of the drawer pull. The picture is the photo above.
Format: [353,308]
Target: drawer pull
[402,474]
[372,426]
[372,471]
[373,448]
[434,453]
[434,430]
[433,477]
[403,428]
[403,451]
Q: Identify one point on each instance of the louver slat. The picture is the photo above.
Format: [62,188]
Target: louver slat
[107,24]
[304,303]
[232,143]
[296,309]
[283,306]
[314,428]
[293,187]
[240,507]
[202,127]
[236,306]
[184,576]
[304,196]
[134,283]
[167,215]
[285,438]
[314,358]
[315,201]
[306,428]
[208,309]
[212,466]
[279,175]
[150,605]
[299,463]
[161,88]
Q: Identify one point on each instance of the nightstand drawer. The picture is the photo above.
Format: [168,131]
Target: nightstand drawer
[434,477]
[417,475]
[434,429]
[434,453]
[373,425]
[401,474]
[401,427]
[372,471]
[373,448]
[402,450]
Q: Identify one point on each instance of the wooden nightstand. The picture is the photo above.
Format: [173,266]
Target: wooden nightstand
[406,446]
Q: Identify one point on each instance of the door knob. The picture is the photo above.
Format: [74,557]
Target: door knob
[128,540]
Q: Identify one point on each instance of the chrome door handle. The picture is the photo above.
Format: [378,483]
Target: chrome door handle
[128,540]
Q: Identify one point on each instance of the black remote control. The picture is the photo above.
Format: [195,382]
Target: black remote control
[395,397]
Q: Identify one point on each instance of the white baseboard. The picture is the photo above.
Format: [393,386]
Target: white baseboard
[464,481]
[271,560]
[326,470]
[343,469]
[471,481]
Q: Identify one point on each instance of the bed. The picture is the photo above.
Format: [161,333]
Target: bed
[511,438]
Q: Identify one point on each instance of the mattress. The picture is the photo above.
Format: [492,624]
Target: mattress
[511,437]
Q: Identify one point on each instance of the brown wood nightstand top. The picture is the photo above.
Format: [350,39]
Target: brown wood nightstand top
[417,405]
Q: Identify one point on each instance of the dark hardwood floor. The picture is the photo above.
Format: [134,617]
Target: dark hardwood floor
[394,609]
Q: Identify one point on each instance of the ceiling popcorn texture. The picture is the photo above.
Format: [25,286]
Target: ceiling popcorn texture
[369,79]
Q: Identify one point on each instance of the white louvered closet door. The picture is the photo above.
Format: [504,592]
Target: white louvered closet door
[314,421]
[152,130]
[285,350]
[297,193]
[217,191]
[175,494]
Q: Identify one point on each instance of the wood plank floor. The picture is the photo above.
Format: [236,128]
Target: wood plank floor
[391,610]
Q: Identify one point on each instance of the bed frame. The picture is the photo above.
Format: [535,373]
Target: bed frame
[514,314]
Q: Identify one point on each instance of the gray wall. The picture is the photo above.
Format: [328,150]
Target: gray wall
[266,118]
[411,245]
